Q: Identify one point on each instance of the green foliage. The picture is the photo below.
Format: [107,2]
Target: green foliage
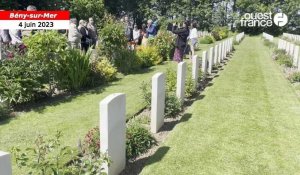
[91,142]
[47,156]
[149,56]
[171,80]
[173,105]
[113,39]
[83,9]
[138,140]
[282,58]
[189,85]
[127,61]
[20,80]
[146,93]
[46,45]
[220,33]
[73,70]
[106,70]
[164,42]
[37,158]
[207,40]
[295,77]
[4,111]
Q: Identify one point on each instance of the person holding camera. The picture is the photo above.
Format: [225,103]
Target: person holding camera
[182,31]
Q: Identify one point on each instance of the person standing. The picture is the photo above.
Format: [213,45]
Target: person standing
[181,40]
[151,29]
[136,35]
[85,39]
[74,35]
[93,34]
[193,38]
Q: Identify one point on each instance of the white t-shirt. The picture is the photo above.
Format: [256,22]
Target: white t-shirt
[193,33]
[136,34]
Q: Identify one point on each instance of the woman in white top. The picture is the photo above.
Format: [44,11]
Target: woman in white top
[194,38]
[136,35]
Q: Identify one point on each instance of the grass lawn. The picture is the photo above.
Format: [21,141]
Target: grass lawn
[76,115]
[248,122]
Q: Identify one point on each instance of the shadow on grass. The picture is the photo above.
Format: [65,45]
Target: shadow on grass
[136,167]
[169,125]
[159,154]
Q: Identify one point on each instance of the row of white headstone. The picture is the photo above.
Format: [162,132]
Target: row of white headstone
[112,122]
[239,37]
[292,50]
[113,109]
[292,36]
[268,36]
[215,55]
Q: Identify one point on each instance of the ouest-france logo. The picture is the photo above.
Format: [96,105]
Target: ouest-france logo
[263,19]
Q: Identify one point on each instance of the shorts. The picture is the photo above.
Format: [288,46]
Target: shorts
[194,41]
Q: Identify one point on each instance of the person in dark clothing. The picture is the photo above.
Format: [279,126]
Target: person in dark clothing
[182,33]
[85,40]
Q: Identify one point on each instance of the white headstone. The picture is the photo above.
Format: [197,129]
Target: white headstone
[287,47]
[291,50]
[284,43]
[296,56]
[195,70]
[181,74]
[216,54]
[223,51]
[158,102]
[113,131]
[5,164]
[204,63]
[210,60]
[220,53]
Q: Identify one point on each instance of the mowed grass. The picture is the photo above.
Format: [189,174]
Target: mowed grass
[75,115]
[247,122]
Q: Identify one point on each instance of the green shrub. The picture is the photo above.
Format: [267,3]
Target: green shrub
[21,80]
[73,70]
[164,42]
[106,70]
[189,86]
[282,58]
[113,39]
[279,52]
[48,156]
[46,45]
[127,61]
[91,142]
[171,80]
[138,140]
[295,77]
[149,56]
[146,93]
[220,33]
[207,40]
[216,35]
[172,105]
